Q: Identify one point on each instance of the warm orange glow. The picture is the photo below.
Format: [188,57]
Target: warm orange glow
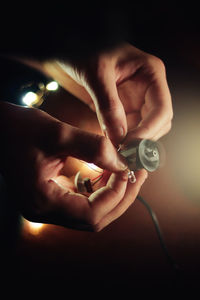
[90,170]
[93,167]
[32,227]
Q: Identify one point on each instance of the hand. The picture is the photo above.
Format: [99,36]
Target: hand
[35,147]
[129,91]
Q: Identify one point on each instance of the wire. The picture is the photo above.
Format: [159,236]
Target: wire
[170,259]
[98,178]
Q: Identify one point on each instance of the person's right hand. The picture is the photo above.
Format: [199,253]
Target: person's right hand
[127,88]
[34,149]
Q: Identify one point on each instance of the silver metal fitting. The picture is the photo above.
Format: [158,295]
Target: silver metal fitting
[142,154]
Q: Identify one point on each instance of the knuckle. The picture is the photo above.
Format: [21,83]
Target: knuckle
[168,127]
[156,63]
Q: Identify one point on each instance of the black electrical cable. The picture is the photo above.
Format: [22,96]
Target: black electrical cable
[170,259]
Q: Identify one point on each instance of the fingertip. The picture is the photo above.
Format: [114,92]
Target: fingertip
[118,181]
[108,158]
[115,133]
[141,176]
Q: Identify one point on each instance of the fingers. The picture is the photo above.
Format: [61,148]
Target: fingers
[59,204]
[100,209]
[67,208]
[90,147]
[129,197]
[156,112]
[153,126]
[163,131]
[109,109]
[62,206]
[160,114]
[106,198]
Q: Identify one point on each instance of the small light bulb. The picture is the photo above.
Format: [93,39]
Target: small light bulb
[35,225]
[52,86]
[94,167]
[32,227]
[30,98]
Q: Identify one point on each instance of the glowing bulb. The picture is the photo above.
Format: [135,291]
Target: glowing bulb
[32,227]
[35,225]
[52,86]
[30,98]
[93,167]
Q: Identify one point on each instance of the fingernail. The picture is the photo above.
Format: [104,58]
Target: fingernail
[116,134]
[121,131]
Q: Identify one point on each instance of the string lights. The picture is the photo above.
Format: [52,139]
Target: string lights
[35,99]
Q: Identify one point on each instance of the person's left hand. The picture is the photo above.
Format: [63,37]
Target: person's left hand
[32,155]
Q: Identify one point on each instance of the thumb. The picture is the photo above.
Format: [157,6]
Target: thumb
[109,108]
[91,148]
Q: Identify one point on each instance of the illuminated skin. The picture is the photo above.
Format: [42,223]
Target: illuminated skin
[34,149]
[128,90]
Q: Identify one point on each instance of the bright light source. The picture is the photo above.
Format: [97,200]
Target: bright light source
[30,98]
[32,227]
[52,86]
[35,225]
[94,167]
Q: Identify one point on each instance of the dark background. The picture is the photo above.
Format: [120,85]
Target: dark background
[168,30]
[128,252]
